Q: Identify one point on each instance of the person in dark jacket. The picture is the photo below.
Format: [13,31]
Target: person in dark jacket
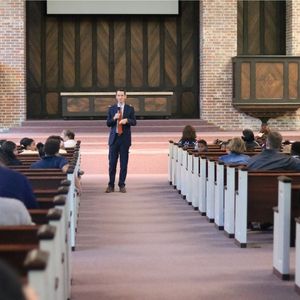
[271,158]
[9,154]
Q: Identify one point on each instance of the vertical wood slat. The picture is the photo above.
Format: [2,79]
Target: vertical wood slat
[187,36]
[102,53]
[153,54]
[245,80]
[170,52]
[253,27]
[240,27]
[68,73]
[34,45]
[119,54]
[293,80]
[51,60]
[85,53]
[136,31]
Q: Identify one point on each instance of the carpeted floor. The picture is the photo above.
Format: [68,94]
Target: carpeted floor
[149,244]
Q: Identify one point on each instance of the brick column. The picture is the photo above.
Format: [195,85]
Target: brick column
[12,63]
[293,27]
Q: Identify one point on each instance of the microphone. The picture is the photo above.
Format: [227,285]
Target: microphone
[119,108]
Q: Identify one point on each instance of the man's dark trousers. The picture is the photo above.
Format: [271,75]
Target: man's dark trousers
[118,147]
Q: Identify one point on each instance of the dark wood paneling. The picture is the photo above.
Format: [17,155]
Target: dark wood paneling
[253,27]
[245,81]
[86,53]
[170,52]
[153,54]
[261,27]
[52,100]
[34,46]
[119,54]
[68,54]
[187,36]
[136,34]
[51,52]
[102,53]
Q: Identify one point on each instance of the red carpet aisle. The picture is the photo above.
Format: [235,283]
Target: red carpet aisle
[149,244]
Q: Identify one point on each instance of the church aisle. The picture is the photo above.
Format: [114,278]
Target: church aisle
[149,244]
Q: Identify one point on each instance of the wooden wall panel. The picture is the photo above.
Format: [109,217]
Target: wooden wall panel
[153,54]
[269,81]
[68,68]
[245,81]
[102,53]
[187,37]
[240,27]
[136,34]
[51,52]
[52,103]
[271,32]
[34,44]
[170,52]
[253,36]
[86,53]
[119,54]
[293,80]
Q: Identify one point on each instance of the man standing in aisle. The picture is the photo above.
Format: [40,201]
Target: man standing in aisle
[120,118]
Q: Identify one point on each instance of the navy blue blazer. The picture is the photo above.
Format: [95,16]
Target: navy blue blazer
[128,113]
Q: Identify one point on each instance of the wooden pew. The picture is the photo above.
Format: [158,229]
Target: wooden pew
[256,196]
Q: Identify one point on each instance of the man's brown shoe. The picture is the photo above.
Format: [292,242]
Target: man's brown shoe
[122,189]
[109,189]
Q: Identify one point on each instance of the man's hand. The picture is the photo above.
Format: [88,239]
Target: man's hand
[123,121]
[116,116]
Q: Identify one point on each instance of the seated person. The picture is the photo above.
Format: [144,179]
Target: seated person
[262,134]
[28,146]
[236,147]
[248,138]
[40,149]
[201,146]
[188,138]
[69,139]
[271,158]
[15,185]
[295,149]
[61,143]
[51,160]
[13,212]
[9,154]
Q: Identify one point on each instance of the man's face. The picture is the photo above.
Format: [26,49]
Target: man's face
[121,96]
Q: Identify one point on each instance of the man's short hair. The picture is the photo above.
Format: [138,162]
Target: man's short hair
[51,146]
[121,90]
[274,140]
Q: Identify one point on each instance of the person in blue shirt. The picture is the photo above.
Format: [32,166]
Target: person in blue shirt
[236,147]
[15,185]
[51,160]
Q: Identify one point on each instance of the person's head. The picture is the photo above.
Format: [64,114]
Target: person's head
[70,135]
[28,144]
[2,142]
[121,96]
[264,128]
[248,135]
[295,148]
[59,138]
[51,146]
[274,140]
[237,145]
[188,133]
[9,149]
[10,284]
[202,146]
[40,149]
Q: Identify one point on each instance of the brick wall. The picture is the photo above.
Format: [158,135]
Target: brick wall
[218,44]
[12,63]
